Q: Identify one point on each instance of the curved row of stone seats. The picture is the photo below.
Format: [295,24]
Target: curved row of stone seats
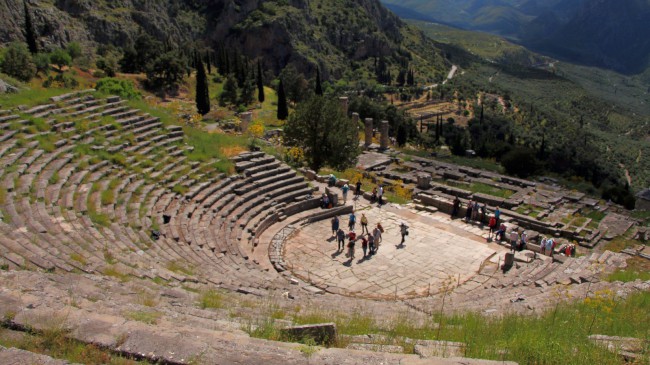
[213,216]
[527,282]
[72,197]
[55,200]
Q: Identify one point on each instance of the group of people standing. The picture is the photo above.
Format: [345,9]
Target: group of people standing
[475,211]
[369,240]
[377,193]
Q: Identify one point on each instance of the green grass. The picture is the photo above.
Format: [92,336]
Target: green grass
[208,146]
[148,317]
[180,189]
[478,187]
[211,299]
[114,272]
[178,267]
[557,336]
[626,275]
[46,142]
[165,115]
[54,343]
[107,197]
[29,97]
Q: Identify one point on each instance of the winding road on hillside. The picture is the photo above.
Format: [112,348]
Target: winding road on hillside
[450,76]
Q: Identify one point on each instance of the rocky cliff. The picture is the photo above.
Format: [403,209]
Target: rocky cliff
[326,33]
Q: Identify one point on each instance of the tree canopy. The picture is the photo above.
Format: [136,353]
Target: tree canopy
[320,127]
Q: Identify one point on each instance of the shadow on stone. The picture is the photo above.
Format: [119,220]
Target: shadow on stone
[322,333]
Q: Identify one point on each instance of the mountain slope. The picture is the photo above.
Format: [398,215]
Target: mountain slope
[330,34]
[603,33]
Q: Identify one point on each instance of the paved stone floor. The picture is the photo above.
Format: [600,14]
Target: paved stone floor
[438,252]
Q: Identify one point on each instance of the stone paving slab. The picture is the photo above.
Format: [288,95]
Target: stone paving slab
[437,253]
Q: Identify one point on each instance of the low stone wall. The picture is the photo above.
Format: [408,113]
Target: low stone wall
[302,206]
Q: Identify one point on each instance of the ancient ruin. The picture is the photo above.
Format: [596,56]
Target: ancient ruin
[96,240]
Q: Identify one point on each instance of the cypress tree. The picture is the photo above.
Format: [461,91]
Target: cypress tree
[401,135]
[202,90]
[480,121]
[208,62]
[319,88]
[283,110]
[260,83]
[30,33]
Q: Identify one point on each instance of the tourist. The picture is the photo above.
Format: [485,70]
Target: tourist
[456,207]
[352,221]
[332,180]
[340,235]
[380,195]
[497,215]
[376,233]
[483,210]
[358,191]
[364,245]
[514,239]
[364,223]
[345,189]
[549,246]
[553,244]
[475,212]
[501,232]
[335,225]
[523,239]
[352,237]
[404,230]
[493,226]
[371,244]
[542,246]
[468,212]
[373,197]
[324,201]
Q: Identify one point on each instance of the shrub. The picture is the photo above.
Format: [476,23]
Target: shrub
[18,62]
[60,58]
[123,88]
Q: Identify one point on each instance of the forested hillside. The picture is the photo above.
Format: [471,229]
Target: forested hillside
[337,36]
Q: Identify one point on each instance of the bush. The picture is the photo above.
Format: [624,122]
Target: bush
[124,88]
[521,162]
[18,62]
[60,58]
[61,80]
[42,63]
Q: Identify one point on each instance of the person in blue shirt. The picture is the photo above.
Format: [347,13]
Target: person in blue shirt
[352,221]
[345,190]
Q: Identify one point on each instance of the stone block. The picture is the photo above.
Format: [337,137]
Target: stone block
[322,333]
[439,349]
[393,349]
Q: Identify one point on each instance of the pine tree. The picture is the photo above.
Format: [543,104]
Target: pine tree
[247,94]
[319,88]
[283,110]
[230,91]
[260,83]
[30,33]
[202,90]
